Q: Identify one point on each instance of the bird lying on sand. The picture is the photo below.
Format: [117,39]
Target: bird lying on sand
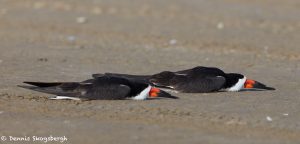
[196,80]
[99,88]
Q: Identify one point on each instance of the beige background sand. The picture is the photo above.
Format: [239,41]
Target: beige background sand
[257,38]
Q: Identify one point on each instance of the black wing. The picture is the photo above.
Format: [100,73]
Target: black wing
[195,80]
[98,88]
[201,70]
[200,85]
[108,88]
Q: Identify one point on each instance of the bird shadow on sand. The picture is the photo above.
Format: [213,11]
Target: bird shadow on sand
[163,98]
[243,90]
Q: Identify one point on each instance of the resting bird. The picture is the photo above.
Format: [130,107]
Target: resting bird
[99,88]
[196,80]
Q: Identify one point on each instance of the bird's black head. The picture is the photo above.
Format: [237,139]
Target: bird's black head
[233,78]
[234,81]
[237,82]
[137,87]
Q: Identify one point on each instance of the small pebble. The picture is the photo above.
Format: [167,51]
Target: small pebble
[71,38]
[81,20]
[220,25]
[1,112]
[43,59]
[269,118]
[1,61]
[285,114]
[172,41]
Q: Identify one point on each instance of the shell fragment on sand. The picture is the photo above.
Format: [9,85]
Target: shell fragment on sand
[269,118]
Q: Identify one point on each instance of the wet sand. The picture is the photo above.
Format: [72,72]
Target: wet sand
[70,40]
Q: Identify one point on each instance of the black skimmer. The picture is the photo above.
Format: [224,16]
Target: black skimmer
[100,88]
[197,80]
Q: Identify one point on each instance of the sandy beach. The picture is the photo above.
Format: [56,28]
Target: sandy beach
[72,39]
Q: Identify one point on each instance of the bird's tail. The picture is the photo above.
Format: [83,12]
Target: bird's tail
[70,89]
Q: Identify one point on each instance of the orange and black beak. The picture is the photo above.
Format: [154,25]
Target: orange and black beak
[252,84]
[156,92]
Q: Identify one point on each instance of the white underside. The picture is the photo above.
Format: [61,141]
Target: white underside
[64,98]
[143,95]
[238,86]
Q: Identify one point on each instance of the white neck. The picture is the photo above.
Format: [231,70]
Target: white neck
[238,86]
[143,95]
